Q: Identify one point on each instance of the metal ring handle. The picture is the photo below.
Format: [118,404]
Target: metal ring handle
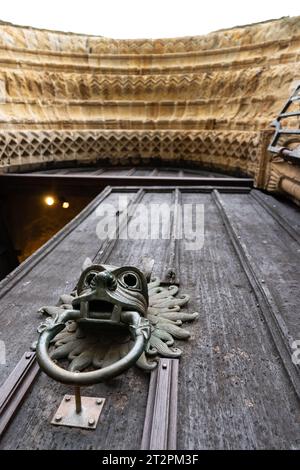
[139,329]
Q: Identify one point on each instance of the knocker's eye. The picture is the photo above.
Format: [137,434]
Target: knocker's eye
[89,278]
[130,280]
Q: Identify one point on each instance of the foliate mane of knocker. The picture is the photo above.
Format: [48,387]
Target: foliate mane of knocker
[105,292]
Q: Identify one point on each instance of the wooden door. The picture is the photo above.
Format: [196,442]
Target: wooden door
[238,386]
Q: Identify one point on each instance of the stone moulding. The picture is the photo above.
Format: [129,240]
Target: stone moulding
[32,38]
[276,175]
[282,177]
[225,151]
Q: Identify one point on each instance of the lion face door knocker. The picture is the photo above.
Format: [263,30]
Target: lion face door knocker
[113,320]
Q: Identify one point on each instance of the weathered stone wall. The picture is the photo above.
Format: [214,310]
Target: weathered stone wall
[206,99]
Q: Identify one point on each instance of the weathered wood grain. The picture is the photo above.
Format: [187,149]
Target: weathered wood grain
[274,251]
[233,389]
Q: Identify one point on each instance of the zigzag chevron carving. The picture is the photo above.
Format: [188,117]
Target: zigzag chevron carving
[221,150]
[69,86]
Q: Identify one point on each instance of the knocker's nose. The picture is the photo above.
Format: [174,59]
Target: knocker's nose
[104,280]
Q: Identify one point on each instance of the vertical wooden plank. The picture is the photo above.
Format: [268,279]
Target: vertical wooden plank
[266,300]
[172,431]
[160,427]
[15,388]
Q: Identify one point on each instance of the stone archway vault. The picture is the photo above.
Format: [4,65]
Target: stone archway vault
[205,100]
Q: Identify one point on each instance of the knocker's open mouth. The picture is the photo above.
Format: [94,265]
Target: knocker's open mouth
[101,306]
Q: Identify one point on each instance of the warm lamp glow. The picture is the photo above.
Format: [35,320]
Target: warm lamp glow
[49,200]
[65,204]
